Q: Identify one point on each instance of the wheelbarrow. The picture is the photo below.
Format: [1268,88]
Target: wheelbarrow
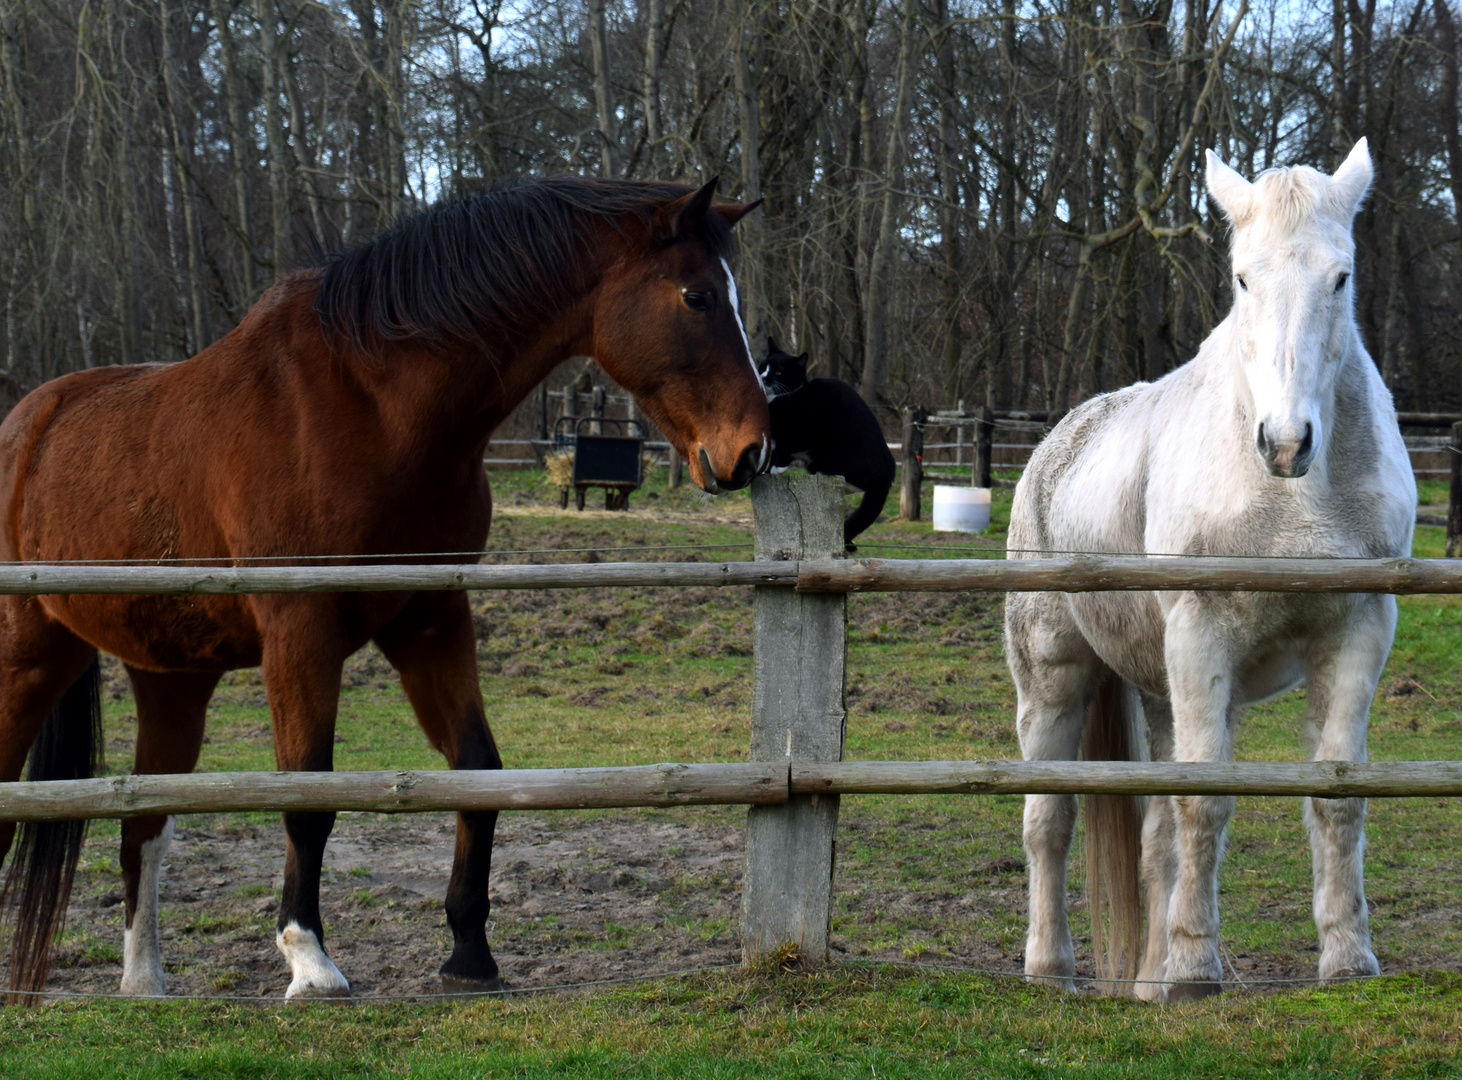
[612,462]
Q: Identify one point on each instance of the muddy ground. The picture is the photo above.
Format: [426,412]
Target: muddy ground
[574,900]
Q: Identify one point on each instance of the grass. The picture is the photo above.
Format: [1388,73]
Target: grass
[840,1023]
[633,676]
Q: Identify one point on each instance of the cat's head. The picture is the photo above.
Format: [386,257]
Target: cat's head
[782,373]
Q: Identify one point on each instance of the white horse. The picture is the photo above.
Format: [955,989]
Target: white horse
[1278,439]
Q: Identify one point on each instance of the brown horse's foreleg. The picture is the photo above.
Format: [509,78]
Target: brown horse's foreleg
[170,712]
[303,658]
[432,644]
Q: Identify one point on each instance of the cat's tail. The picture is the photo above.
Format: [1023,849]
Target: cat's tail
[867,511]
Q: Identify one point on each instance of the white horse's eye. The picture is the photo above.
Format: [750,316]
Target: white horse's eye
[1340,284]
[1242,283]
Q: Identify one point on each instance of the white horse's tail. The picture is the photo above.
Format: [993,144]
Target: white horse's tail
[1114,838]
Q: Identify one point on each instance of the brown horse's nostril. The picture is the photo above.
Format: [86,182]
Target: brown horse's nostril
[708,474]
[747,466]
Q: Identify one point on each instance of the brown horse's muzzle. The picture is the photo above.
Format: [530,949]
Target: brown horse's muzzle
[751,460]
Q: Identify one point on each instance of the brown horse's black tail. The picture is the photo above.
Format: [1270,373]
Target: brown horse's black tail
[38,886]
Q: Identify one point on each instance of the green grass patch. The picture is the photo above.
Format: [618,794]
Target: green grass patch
[839,1023]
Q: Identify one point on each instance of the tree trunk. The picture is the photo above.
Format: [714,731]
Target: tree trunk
[749,129]
[282,251]
[654,48]
[949,216]
[603,92]
[201,334]
[1448,117]
[875,337]
[237,128]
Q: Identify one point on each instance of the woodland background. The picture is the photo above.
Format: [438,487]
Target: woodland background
[994,201]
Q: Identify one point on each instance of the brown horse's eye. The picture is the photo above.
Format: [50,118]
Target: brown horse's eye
[696,301]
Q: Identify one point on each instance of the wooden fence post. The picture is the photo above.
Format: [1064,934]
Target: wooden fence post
[913,470]
[798,713]
[984,438]
[598,400]
[1454,495]
[672,481]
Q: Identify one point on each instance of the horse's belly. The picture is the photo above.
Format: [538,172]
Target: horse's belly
[164,633]
[1126,631]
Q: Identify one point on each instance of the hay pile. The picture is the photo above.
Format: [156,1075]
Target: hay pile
[560,469]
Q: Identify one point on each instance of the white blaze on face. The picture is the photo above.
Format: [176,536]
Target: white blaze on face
[746,341]
[736,311]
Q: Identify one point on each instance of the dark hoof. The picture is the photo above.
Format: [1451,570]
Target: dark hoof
[455,984]
[850,548]
[1193,991]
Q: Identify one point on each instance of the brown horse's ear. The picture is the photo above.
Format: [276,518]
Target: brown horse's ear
[676,219]
[734,212]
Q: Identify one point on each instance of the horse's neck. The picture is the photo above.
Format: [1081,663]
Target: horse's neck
[462,392]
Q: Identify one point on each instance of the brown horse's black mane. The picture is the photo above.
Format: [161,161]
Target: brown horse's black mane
[486,265]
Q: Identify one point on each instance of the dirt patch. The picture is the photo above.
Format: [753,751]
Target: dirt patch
[574,899]
[571,901]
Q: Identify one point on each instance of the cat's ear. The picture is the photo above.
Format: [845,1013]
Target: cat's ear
[802,361]
[772,346]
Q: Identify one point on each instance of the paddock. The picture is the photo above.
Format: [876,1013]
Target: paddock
[789,795]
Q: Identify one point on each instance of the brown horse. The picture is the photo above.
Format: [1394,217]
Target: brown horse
[347,415]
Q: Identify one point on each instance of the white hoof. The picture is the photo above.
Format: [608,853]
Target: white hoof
[315,974]
[1357,962]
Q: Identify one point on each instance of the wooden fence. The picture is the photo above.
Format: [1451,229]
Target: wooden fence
[795,776]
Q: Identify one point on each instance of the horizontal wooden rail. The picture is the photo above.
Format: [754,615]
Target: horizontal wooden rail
[40,578]
[1109,573]
[753,783]
[396,791]
[1079,573]
[1328,779]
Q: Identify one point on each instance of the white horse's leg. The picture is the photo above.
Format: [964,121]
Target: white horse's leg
[142,972]
[1339,693]
[1159,859]
[1054,669]
[1200,678]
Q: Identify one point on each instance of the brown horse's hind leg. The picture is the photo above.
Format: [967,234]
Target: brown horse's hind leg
[432,644]
[302,669]
[40,660]
[170,712]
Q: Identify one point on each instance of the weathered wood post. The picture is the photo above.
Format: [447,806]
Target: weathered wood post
[672,481]
[542,422]
[1454,495]
[597,402]
[913,470]
[984,448]
[798,713]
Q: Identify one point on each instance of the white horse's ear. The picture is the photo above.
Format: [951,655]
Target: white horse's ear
[1230,190]
[1353,179]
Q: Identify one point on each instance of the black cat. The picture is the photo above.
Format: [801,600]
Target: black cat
[824,426]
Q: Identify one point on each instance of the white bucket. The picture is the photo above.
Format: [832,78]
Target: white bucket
[961,509]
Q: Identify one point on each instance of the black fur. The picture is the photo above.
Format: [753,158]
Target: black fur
[470,269]
[69,747]
[823,425]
